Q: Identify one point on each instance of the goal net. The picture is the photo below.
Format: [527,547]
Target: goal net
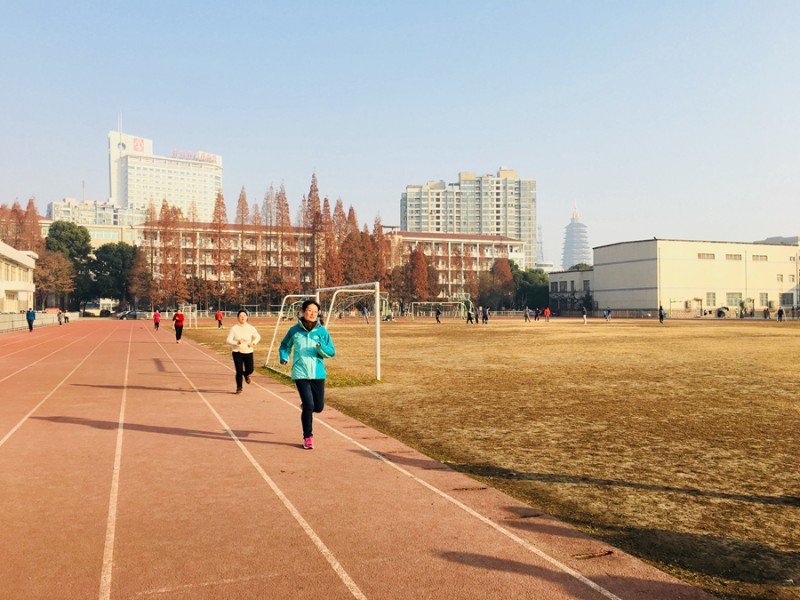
[451,309]
[189,315]
[360,303]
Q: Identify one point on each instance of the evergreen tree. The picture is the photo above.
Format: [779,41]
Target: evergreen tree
[220,248]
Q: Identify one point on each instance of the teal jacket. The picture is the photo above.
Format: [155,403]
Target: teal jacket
[310,348]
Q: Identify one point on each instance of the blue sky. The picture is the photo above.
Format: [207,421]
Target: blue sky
[670,119]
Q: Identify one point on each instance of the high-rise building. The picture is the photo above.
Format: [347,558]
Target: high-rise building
[503,205]
[576,243]
[138,177]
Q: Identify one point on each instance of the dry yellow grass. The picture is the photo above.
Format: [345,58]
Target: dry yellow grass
[677,443]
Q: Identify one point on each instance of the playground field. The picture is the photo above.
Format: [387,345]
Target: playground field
[677,443]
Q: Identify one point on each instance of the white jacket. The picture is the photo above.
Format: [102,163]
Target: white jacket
[243,338]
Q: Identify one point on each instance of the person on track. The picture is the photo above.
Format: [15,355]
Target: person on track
[312,344]
[156,319]
[30,316]
[243,337]
[177,319]
[218,317]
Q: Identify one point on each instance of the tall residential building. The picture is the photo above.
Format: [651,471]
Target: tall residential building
[576,243]
[502,205]
[137,176]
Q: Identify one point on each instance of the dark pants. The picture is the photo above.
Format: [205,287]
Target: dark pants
[243,364]
[219,324]
[312,395]
[155,324]
[30,324]
[178,331]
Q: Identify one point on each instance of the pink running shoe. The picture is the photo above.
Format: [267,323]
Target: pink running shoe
[308,443]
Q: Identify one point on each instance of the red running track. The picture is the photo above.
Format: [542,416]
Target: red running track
[128,469]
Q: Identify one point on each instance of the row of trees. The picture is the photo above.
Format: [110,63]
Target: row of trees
[260,257]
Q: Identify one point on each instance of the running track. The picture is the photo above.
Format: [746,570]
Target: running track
[128,469]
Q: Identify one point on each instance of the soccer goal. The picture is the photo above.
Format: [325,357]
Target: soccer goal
[456,310]
[189,315]
[360,301]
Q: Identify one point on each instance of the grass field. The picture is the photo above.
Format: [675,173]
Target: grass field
[677,443]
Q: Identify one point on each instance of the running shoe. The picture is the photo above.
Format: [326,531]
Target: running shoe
[247,378]
[308,443]
[238,390]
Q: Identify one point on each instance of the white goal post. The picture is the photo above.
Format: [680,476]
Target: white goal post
[431,307]
[372,289]
[189,315]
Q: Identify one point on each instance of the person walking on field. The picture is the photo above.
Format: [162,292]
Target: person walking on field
[156,319]
[177,320]
[218,317]
[243,337]
[30,317]
[547,314]
[661,314]
[469,316]
[527,313]
[60,317]
[584,314]
[312,344]
[438,314]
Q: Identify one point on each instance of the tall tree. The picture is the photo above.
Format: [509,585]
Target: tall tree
[30,229]
[74,242]
[418,282]
[332,263]
[220,247]
[111,266]
[382,254]
[53,276]
[288,273]
[140,280]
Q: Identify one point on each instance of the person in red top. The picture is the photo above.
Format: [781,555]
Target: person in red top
[177,319]
[156,319]
[218,317]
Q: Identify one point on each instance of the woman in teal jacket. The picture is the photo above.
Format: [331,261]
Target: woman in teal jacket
[312,343]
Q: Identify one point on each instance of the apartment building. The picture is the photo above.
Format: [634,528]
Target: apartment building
[494,205]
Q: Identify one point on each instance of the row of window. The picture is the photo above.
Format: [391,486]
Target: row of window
[754,257]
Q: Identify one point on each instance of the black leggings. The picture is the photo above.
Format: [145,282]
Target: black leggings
[243,363]
[178,332]
[312,395]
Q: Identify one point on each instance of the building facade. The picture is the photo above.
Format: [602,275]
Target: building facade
[457,258]
[689,278]
[90,212]
[188,180]
[502,205]
[16,279]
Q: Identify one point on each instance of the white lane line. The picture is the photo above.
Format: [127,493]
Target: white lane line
[486,520]
[54,390]
[111,523]
[31,346]
[28,366]
[323,549]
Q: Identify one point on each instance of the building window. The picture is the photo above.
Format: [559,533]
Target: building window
[759,257]
[733,257]
[733,298]
[586,285]
[763,299]
[553,286]
[787,299]
[780,278]
[562,286]
[705,256]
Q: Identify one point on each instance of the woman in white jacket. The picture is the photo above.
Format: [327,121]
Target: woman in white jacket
[243,337]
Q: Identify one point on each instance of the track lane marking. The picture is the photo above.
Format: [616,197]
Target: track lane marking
[60,348]
[54,390]
[472,512]
[348,581]
[111,522]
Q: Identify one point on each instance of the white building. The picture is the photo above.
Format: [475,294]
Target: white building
[16,279]
[90,212]
[686,277]
[576,243]
[138,177]
[502,205]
